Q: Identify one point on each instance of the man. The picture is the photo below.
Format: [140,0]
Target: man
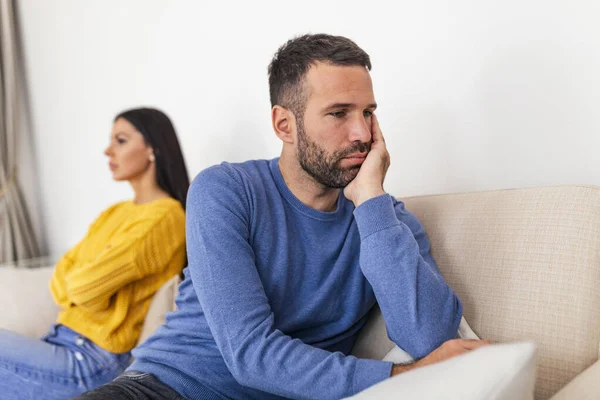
[284,266]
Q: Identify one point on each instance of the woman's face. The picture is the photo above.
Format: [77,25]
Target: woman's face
[129,156]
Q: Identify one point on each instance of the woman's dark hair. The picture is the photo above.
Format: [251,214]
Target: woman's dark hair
[159,133]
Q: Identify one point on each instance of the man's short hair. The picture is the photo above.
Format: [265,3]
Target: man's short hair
[290,64]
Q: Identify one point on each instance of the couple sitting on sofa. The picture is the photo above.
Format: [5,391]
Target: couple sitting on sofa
[285,259]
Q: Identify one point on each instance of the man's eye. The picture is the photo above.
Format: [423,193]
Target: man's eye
[338,114]
[121,141]
[368,113]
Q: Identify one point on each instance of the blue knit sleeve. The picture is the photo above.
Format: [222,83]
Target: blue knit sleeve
[420,310]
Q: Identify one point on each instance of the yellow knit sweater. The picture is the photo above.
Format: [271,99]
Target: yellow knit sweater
[104,285]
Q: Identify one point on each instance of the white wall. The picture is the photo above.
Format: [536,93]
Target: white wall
[473,94]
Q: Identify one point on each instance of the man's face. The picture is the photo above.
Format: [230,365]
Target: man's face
[334,136]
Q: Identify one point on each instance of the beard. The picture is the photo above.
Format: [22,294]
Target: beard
[326,168]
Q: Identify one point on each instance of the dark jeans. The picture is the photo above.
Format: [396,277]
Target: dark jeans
[132,385]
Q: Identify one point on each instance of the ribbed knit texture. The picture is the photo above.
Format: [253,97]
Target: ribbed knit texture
[106,282]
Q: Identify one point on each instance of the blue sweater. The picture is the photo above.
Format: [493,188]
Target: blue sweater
[276,292]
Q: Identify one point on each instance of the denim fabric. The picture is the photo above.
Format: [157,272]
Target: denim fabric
[61,365]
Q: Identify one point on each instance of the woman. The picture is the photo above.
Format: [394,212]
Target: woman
[104,285]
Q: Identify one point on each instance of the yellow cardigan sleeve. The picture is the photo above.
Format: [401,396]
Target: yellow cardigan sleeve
[58,287]
[57,283]
[144,249]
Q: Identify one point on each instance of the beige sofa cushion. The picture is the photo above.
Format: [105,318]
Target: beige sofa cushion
[162,303]
[526,265]
[26,304]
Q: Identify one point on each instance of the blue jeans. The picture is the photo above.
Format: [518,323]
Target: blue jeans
[61,365]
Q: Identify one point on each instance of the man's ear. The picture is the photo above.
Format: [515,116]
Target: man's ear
[284,123]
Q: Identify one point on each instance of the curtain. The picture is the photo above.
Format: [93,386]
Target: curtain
[17,239]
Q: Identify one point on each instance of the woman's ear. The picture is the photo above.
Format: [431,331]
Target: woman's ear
[152,153]
[284,123]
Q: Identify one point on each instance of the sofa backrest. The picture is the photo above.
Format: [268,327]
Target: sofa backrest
[162,303]
[26,305]
[526,265]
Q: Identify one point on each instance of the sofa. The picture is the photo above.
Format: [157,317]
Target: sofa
[524,262]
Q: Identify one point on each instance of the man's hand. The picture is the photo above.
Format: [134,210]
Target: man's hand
[449,349]
[369,181]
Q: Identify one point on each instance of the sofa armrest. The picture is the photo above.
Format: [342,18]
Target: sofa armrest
[27,305]
[585,386]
